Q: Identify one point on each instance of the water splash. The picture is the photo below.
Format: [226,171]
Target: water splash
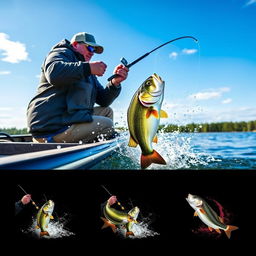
[55,229]
[176,148]
[140,230]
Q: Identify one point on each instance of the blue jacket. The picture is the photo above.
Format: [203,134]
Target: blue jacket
[67,92]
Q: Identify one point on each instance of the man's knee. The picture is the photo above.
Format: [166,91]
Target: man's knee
[109,112]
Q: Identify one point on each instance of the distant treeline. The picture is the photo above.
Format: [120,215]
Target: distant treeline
[204,127]
[13,131]
[212,127]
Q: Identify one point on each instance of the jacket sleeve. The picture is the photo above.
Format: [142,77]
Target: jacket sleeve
[61,68]
[18,207]
[105,96]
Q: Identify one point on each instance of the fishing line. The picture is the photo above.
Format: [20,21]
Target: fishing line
[112,195]
[125,62]
[45,197]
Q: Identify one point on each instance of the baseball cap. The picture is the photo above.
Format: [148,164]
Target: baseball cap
[87,39]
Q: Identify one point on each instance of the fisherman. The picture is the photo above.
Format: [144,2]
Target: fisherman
[19,205]
[63,109]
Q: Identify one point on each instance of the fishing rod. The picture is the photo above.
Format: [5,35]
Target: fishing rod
[112,195]
[125,62]
[31,198]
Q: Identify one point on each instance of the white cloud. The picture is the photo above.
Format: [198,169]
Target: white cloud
[6,72]
[13,52]
[226,101]
[182,114]
[173,55]
[189,51]
[5,109]
[232,114]
[205,95]
[211,94]
[12,117]
[250,2]
[224,89]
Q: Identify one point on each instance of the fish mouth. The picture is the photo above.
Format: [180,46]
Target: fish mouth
[157,77]
[155,97]
[149,103]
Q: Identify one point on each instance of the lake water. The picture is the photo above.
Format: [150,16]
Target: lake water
[236,150]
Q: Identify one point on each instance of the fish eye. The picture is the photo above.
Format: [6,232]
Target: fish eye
[148,83]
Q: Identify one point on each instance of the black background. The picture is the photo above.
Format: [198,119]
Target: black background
[161,193]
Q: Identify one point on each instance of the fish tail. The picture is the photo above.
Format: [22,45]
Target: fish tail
[147,160]
[229,230]
[44,233]
[129,233]
[108,224]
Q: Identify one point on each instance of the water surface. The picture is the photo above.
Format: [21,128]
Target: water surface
[224,150]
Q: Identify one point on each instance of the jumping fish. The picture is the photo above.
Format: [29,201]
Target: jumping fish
[43,217]
[143,117]
[117,219]
[208,215]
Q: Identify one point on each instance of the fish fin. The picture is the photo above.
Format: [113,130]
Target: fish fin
[221,220]
[37,227]
[51,217]
[155,139]
[132,142]
[44,233]
[229,230]
[210,228]
[163,114]
[147,160]
[153,112]
[195,214]
[129,233]
[218,230]
[202,211]
[108,224]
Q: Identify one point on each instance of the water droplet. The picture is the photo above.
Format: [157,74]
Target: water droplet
[59,147]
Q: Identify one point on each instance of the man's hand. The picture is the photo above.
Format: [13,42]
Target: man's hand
[26,199]
[98,68]
[112,200]
[122,72]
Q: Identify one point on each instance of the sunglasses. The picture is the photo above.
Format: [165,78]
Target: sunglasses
[89,47]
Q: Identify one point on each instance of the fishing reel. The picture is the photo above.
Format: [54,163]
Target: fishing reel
[124,61]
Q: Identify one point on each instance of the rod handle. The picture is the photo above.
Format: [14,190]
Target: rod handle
[113,76]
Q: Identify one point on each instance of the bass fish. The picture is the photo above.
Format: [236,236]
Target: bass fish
[143,117]
[117,219]
[43,217]
[208,215]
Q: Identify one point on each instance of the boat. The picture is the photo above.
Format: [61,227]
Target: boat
[19,152]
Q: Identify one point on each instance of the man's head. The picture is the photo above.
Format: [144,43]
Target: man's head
[85,44]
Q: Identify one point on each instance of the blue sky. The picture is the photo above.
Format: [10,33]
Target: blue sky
[212,81]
